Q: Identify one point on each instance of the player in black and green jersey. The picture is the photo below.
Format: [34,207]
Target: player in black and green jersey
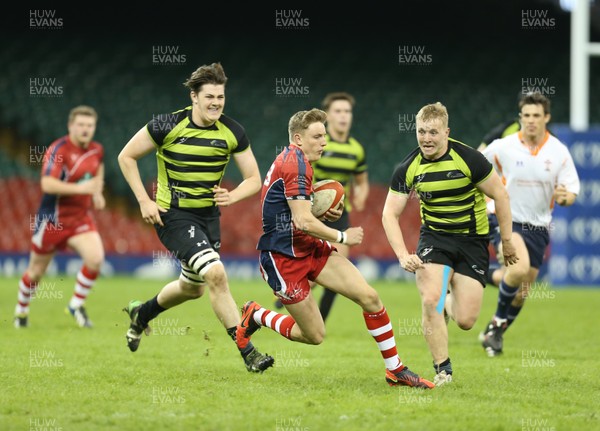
[451,261]
[193,147]
[502,130]
[343,160]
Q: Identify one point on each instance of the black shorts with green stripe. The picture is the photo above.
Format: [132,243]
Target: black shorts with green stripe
[466,255]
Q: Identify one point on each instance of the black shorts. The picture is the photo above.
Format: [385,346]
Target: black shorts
[186,232]
[536,240]
[342,223]
[467,255]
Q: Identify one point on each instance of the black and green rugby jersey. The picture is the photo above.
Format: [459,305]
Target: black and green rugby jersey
[192,159]
[502,131]
[340,161]
[449,200]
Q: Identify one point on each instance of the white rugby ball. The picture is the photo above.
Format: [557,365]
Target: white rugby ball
[327,194]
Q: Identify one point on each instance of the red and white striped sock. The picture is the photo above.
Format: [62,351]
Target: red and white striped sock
[380,328]
[26,289]
[281,323]
[85,280]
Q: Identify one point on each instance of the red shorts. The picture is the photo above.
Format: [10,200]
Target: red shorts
[289,276]
[50,237]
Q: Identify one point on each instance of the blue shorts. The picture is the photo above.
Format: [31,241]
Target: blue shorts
[494,234]
[536,239]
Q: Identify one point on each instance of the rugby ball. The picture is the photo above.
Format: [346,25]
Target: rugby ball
[327,194]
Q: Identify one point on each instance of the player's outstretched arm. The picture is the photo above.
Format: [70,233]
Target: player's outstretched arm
[246,163]
[304,220]
[395,203]
[140,145]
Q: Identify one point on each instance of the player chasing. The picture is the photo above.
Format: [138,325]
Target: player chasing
[193,147]
[451,180]
[538,171]
[292,254]
[72,179]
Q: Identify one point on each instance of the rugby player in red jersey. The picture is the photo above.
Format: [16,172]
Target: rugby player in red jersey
[296,248]
[72,179]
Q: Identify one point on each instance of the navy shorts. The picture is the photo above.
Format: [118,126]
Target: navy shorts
[536,240]
[494,234]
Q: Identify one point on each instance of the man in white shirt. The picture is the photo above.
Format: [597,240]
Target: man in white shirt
[537,170]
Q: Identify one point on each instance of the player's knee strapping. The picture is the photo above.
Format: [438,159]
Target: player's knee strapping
[202,261]
[189,276]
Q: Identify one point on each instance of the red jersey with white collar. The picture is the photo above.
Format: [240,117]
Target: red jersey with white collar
[290,177]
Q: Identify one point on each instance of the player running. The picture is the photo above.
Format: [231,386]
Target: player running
[538,171]
[193,147]
[295,248]
[72,179]
[452,257]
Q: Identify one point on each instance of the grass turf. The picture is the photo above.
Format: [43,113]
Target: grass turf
[188,375]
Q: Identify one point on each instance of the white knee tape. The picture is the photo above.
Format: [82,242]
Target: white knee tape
[189,276]
[203,260]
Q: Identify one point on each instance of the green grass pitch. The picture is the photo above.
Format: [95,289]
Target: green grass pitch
[189,376]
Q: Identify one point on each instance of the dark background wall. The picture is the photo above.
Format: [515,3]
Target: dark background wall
[475,59]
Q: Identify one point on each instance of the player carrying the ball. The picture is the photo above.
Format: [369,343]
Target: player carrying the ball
[295,248]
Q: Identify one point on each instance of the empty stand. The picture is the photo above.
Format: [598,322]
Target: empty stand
[119,78]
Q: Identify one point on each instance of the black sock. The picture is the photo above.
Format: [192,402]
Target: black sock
[490,273]
[149,310]
[444,366]
[512,314]
[326,303]
[245,351]
[506,294]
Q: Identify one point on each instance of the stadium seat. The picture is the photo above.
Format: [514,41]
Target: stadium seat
[119,85]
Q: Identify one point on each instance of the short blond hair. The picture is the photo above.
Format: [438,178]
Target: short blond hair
[302,120]
[82,110]
[433,111]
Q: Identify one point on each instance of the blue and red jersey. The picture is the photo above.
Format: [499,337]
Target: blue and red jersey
[70,163]
[290,177]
